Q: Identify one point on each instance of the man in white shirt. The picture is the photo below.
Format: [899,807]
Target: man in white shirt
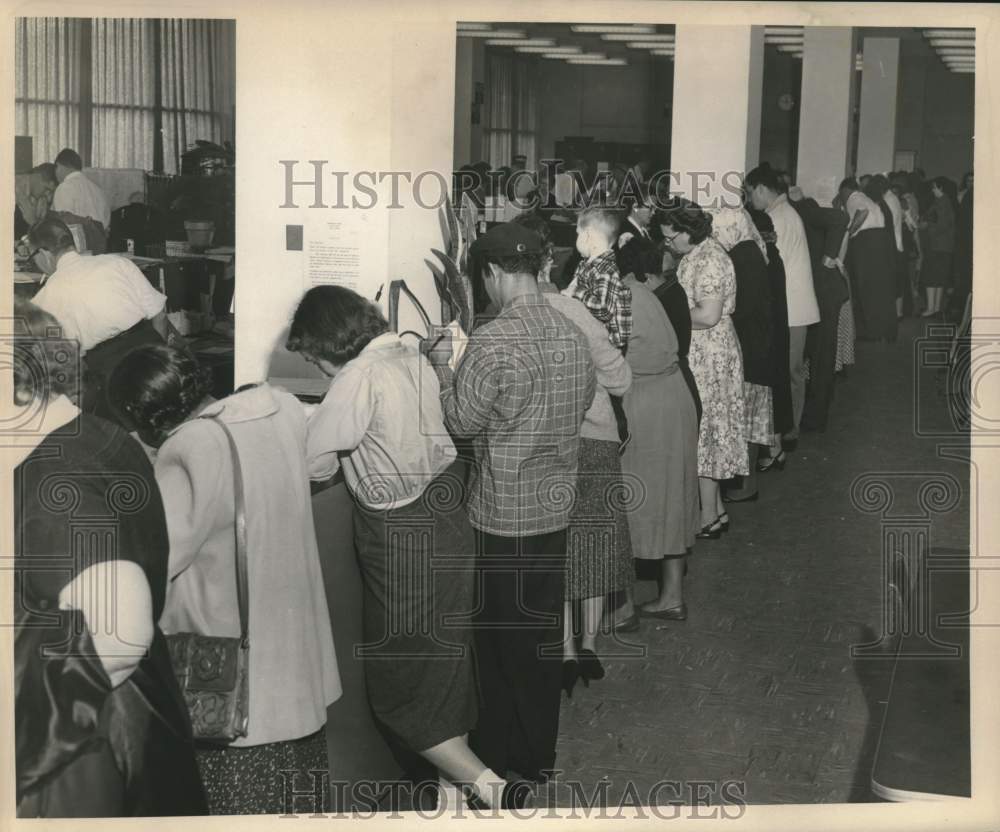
[76,194]
[104,302]
[896,209]
[766,193]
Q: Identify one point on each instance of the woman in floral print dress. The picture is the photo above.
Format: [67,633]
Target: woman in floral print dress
[708,278]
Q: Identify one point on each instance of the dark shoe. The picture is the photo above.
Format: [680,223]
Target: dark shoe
[515,795]
[570,673]
[629,625]
[590,666]
[790,445]
[673,614]
[713,531]
[753,498]
[772,463]
[724,521]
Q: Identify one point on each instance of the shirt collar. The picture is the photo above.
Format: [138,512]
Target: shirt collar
[55,413]
[256,403]
[67,258]
[529,299]
[782,199]
[604,255]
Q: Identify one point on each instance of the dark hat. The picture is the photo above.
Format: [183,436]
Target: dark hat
[508,240]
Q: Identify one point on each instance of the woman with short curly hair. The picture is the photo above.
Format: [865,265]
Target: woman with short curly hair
[707,275]
[163,393]
[381,422]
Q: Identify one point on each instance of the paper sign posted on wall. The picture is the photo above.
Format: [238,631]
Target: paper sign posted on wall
[332,253]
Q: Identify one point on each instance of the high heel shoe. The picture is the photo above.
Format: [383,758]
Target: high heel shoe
[590,667]
[570,673]
[724,521]
[710,531]
[772,463]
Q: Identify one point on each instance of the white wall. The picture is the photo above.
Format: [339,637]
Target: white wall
[385,104]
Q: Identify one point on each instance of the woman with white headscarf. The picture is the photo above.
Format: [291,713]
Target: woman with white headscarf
[735,231]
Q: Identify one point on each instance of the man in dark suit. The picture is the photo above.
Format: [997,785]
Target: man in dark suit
[825,229]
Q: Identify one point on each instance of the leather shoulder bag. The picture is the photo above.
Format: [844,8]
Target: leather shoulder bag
[213,671]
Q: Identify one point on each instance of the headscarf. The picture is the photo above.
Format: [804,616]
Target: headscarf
[732,226]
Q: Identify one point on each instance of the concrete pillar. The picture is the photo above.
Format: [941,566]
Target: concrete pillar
[716,114]
[879,91]
[464,90]
[825,120]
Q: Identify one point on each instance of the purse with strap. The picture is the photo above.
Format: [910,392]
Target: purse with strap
[213,671]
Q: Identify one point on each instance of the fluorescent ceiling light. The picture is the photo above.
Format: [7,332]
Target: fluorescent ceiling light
[639,36]
[591,62]
[474,27]
[787,48]
[963,71]
[969,34]
[598,28]
[783,39]
[965,44]
[529,42]
[669,52]
[549,50]
[645,44]
[783,30]
[959,62]
[499,33]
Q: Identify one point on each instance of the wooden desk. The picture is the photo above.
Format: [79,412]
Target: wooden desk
[355,748]
[924,746]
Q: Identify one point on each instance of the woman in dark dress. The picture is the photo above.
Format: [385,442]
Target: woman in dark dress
[781,389]
[735,230]
[102,729]
[962,265]
[939,222]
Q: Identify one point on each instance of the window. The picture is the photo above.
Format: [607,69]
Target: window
[512,114]
[124,92]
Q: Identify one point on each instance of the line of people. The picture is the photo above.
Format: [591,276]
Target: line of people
[602,414]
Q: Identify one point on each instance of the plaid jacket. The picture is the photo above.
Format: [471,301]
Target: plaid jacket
[600,287]
[522,389]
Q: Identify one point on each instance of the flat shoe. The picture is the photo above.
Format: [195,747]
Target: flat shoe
[712,531]
[724,524]
[673,614]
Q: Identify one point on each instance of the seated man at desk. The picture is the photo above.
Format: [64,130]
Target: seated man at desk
[33,196]
[77,199]
[103,301]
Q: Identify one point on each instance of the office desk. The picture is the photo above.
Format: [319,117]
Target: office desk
[924,746]
[189,282]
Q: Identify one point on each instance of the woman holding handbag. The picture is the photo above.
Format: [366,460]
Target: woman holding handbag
[102,730]
[163,394]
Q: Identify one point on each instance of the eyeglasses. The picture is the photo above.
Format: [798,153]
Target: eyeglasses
[669,238]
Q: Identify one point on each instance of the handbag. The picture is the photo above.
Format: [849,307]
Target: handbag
[213,671]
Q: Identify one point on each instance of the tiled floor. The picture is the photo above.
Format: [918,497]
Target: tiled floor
[758,687]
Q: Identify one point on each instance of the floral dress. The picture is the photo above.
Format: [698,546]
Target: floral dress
[717,364]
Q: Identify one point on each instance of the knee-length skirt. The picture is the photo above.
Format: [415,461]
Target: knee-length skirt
[417,563]
[600,549]
[660,465]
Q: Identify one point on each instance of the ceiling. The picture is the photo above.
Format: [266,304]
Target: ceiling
[779,37]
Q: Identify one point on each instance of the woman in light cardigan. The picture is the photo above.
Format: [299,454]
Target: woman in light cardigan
[381,422]
[161,392]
